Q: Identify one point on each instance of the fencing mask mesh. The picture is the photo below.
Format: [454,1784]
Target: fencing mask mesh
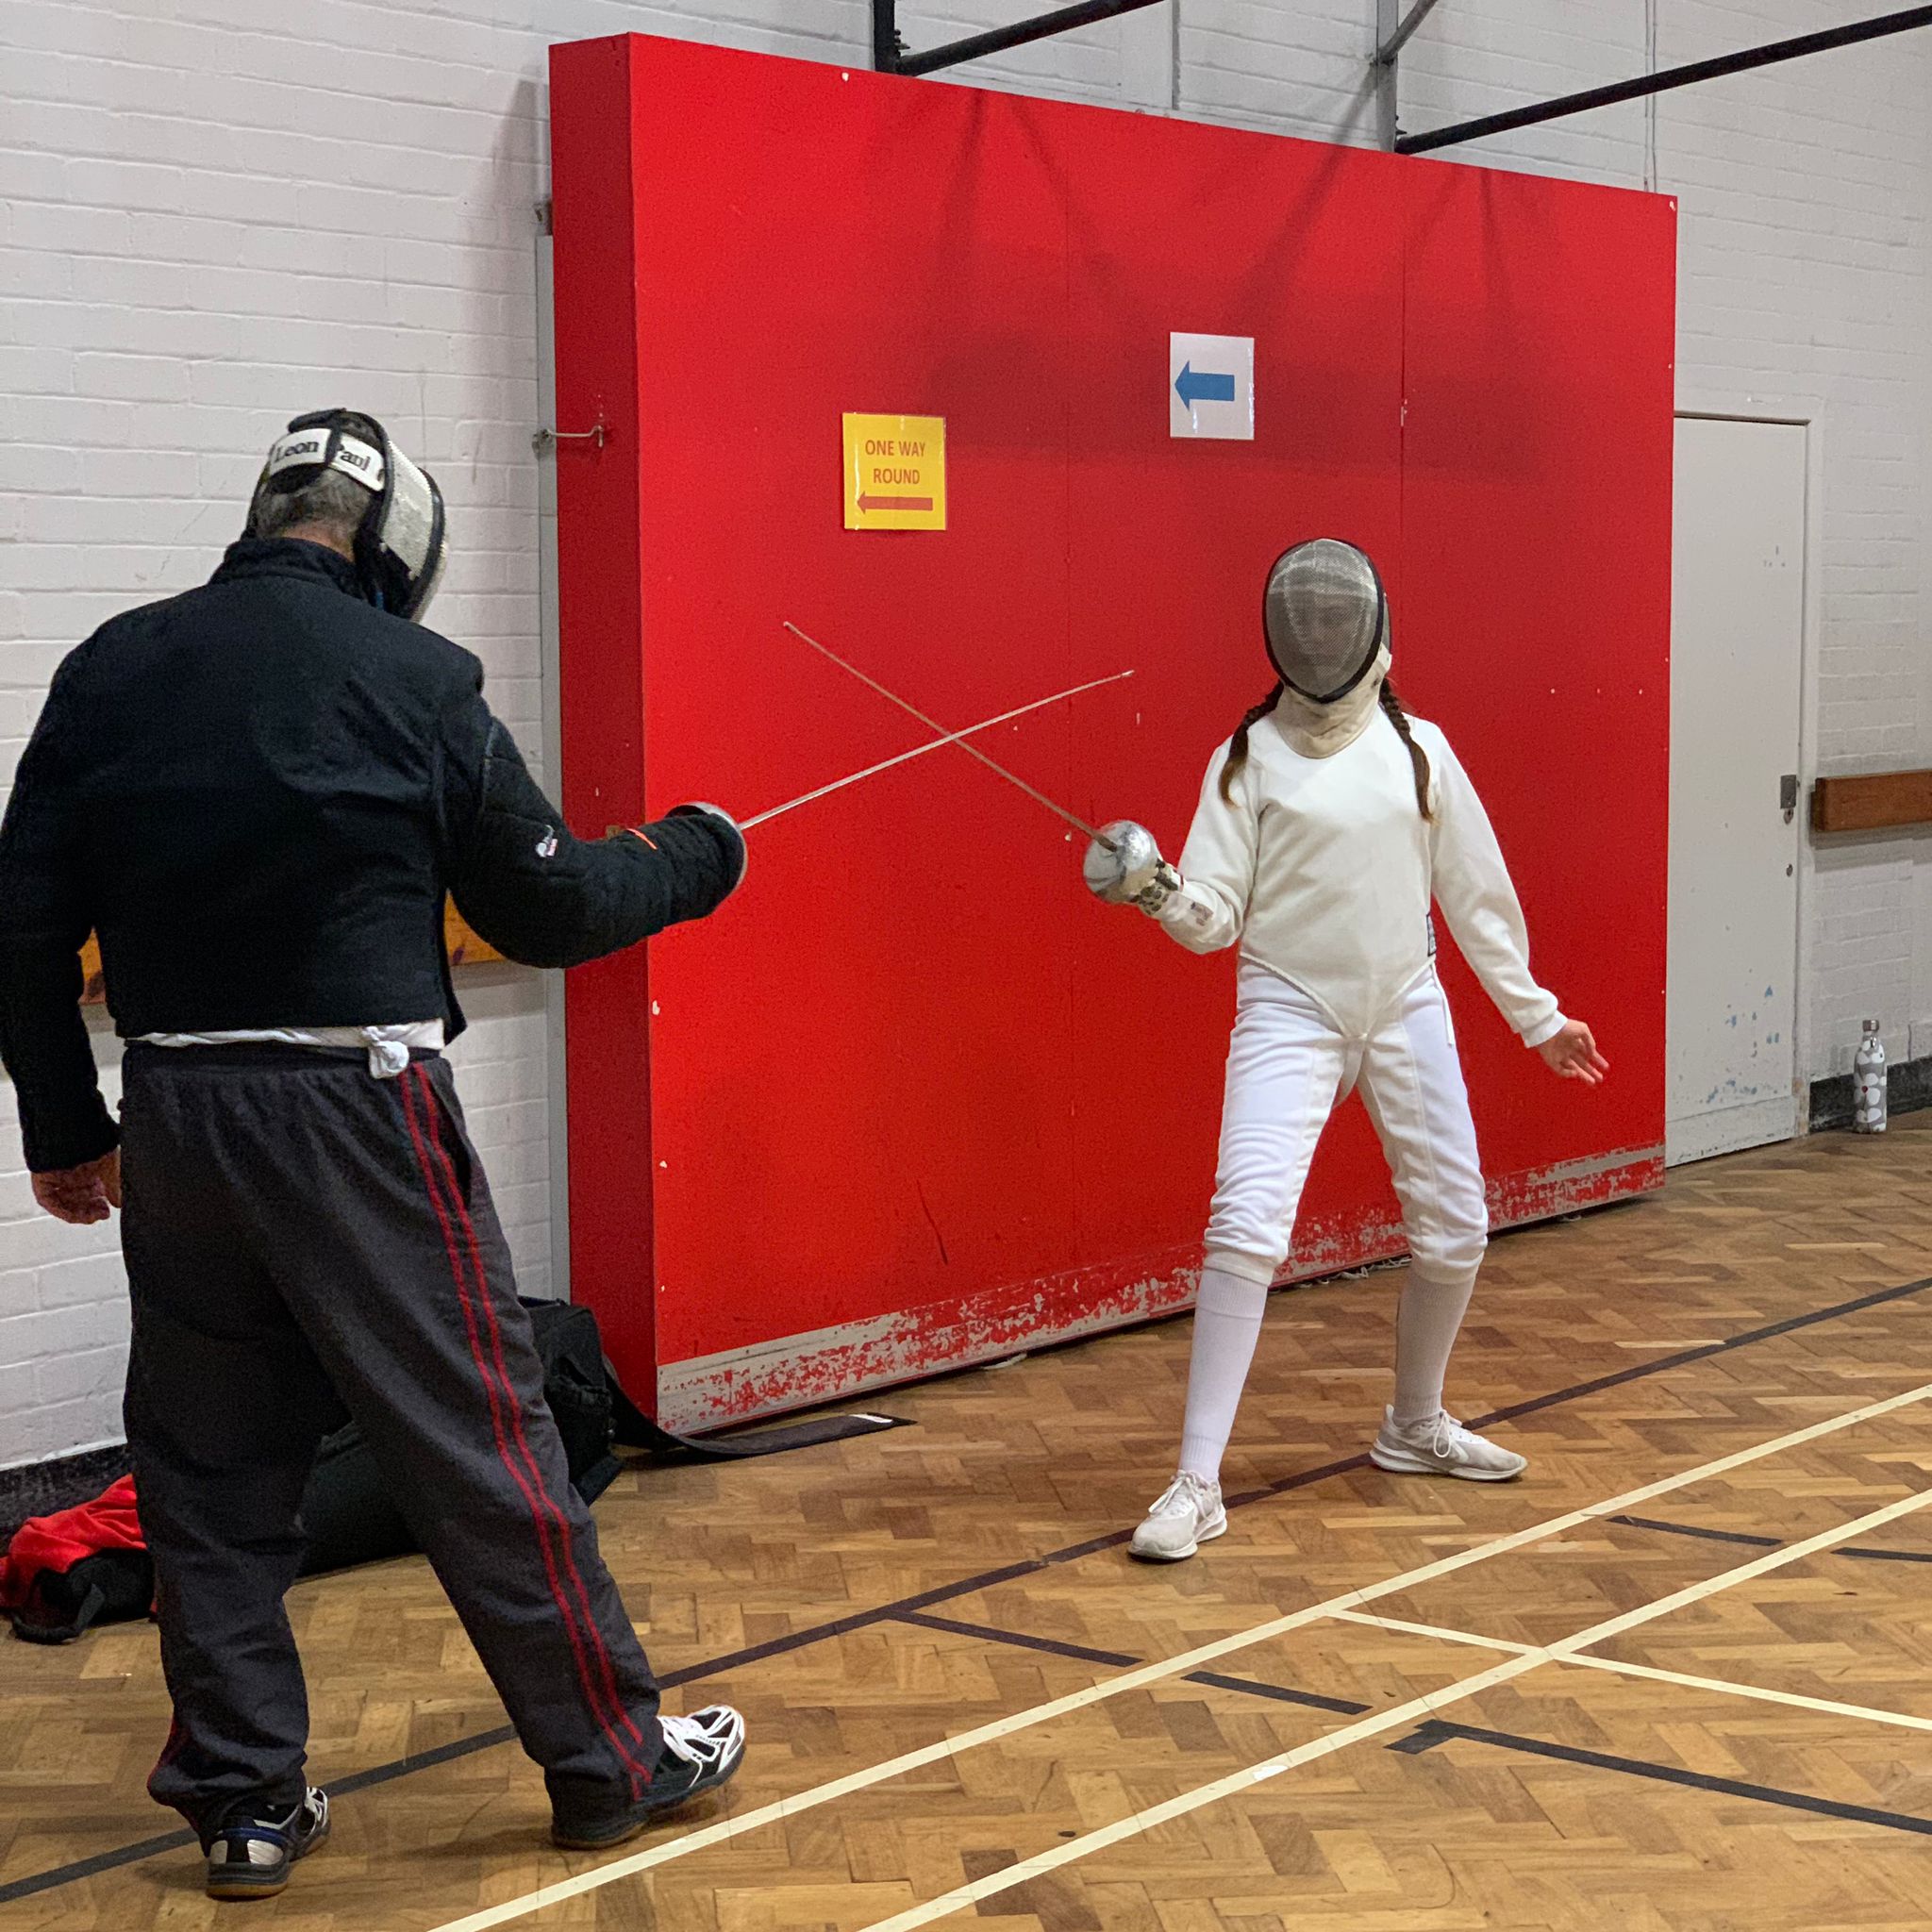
[409,535]
[1325,618]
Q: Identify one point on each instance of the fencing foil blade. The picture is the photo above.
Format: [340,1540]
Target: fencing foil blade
[918,751]
[1039,798]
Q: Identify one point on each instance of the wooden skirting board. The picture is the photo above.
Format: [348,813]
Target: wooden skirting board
[1872,802]
[465,949]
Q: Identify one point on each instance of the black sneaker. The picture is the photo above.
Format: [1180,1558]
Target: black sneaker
[252,1857]
[701,1751]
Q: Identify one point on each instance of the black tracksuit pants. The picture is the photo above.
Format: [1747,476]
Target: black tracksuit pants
[303,1239]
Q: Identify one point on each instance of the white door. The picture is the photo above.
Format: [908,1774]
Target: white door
[1736,636]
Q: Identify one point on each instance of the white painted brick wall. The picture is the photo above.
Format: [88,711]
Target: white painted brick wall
[206,225]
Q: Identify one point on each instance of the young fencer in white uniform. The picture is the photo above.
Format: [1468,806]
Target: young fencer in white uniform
[1327,825]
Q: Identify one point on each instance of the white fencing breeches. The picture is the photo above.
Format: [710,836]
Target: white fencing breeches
[1287,1066]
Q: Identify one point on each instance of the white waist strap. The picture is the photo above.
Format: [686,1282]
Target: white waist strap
[388,1047]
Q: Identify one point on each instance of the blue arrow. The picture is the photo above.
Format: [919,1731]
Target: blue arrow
[1204,388]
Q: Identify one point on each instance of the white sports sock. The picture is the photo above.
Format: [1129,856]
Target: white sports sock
[1227,1322]
[1427,1320]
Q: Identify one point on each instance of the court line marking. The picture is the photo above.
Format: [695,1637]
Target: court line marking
[1438,1731]
[1764,1542]
[964,1896]
[1440,1632]
[1762,1693]
[55,1877]
[781,1809]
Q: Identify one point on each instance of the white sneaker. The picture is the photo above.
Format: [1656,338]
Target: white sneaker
[1443,1447]
[1188,1515]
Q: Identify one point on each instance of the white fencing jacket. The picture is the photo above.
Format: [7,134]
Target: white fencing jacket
[1324,870]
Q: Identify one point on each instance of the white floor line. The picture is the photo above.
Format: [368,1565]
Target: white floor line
[963,1896]
[1438,1631]
[1758,1692]
[763,1815]
[1870,1714]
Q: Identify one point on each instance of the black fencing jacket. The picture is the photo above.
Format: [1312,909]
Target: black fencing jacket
[258,794]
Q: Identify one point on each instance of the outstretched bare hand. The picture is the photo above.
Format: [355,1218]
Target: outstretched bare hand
[1572,1055]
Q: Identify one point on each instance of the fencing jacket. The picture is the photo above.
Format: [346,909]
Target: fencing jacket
[1324,870]
[258,794]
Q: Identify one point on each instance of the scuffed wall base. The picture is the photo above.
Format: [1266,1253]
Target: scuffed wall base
[831,1364]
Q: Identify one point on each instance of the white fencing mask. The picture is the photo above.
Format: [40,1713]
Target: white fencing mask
[1325,618]
[399,547]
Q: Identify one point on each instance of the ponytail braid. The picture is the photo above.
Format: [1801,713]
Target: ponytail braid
[1417,756]
[1238,746]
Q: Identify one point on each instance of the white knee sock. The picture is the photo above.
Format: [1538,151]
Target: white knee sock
[1227,1322]
[1427,1320]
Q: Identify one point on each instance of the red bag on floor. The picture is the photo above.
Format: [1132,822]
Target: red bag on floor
[79,1566]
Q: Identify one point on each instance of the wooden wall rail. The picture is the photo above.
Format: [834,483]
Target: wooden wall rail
[1872,802]
[465,949]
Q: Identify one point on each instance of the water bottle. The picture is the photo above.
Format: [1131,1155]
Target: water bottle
[1868,1083]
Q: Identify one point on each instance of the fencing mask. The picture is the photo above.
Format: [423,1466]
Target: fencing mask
[1325,618]
[399,545]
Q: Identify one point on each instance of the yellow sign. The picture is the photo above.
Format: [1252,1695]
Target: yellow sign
[895,473]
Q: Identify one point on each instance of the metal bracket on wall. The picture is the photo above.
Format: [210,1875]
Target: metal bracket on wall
[547,438]
[889,55]
[1393,30]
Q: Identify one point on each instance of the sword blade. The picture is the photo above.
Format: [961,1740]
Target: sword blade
[918,751]
[1060,812]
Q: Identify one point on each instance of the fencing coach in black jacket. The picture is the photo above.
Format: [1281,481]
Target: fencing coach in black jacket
[258,794]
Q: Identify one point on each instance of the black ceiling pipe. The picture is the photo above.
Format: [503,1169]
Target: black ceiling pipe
[997,40]
[1821,43]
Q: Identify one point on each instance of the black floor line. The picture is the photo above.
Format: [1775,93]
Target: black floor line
[859,1619]
[1708,1536]
[1021,1640]
[1767,1543]
[89,1868]
[1789,1325]
[420,1760]
[1436,1731]
[1311,1699]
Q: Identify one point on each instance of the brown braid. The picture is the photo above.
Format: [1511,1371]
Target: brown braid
[1417,756]
[1238,744]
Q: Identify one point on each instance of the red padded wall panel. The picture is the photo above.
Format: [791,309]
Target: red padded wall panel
[912,1098]
[1535,613]
[851,1090]
[1171,542]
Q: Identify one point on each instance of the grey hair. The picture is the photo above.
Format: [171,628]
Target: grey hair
[336,502]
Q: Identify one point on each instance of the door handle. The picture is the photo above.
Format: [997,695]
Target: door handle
[1788,795]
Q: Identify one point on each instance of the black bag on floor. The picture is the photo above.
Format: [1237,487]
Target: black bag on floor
[347,1511]
[111,1587]
[578,1392]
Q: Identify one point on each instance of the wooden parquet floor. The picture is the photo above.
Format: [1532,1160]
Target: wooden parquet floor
[1678,1679]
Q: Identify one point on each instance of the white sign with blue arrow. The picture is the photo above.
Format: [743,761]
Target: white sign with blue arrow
[1211,387]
